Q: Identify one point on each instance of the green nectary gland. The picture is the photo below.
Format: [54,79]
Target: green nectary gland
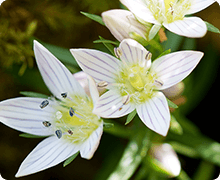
[76,127]
[137,82]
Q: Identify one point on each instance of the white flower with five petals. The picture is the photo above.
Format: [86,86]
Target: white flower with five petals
[134,83]
[67,119]
[171,14]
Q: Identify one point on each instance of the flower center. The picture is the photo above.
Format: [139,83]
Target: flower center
[137,82]
[168,11]
[74,120]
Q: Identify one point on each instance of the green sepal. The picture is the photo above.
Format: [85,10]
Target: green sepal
[175,127]
[70,159]
[26,135]
[33,94]
[212,28]
[138,38]
[94,17]
[153,31]
[108,125]
[171,104]
[164,53]
[130,117]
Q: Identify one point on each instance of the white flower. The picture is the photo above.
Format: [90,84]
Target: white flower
[68,121]
[134,83]
[170,14]
[122,22]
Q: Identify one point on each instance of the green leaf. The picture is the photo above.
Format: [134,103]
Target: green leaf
[212,28]
[171,104]
[138,38]
[94,17]
[130,116]
[133,154]
[108,46]
[26,135]
[33,94]
[106,41]
[70,159]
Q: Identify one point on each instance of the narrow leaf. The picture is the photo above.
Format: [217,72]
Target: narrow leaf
[70,159]
[171,104]
[94,17]
[106,41]
[164,53]
[212,28]
[26,135]
[108,46]
[33,94]
[131,116]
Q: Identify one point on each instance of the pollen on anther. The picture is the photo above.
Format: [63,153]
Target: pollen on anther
[64,95]
[126,99]
[44,104]
[70,132]
[71,112]
[102,84]
[58,133]
[46,123]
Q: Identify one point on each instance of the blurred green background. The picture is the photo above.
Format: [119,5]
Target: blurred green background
[59,22]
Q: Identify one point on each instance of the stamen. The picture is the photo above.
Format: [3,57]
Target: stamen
[118,52]
[44,104]
[58,133]
[46,123]
[71,112]
[126,99]
[148,56]
[158,83]
[102,84]
[70,132]
[64,95]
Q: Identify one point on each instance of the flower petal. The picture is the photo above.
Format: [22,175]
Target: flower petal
[198,5]
[93,89]
[133,52]
[140,9]
[110,105]
[101,66]
[192,27]
[155,114]
[174,67]
[91,144]
[50,152]
[24,114]
[122,22]
[55,75]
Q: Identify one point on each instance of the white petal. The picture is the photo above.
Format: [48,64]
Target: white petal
[192,27]
[101,66]
[122,22]
[140,9]
[133,52]
[91,144]
[198,5]
[56,76]
[93,89]
[24,114]
[174,67]
[48,153]
[155,114]
[110,105]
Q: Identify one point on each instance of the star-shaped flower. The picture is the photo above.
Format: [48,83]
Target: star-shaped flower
[171,14]
[67,119]
[134,83]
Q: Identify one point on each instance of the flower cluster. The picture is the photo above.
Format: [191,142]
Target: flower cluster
[128,81]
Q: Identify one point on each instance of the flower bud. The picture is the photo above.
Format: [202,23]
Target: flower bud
[122,22]
[174,91]
[164,160]
[81,77]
